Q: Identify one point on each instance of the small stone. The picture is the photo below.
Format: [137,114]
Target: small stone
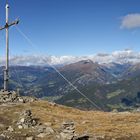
[68,131]
[21,100]
[27,112]
[52,104]
[34,123]
[32,99]
[14,95]
[66,136]
[41,129]
[20,127]
[30,138]
[85,122]
[58,137]
[68,123]
[44,129]
[49,130]
[10,129]
[41,135]
[22,120]
[25,126]
[48,124]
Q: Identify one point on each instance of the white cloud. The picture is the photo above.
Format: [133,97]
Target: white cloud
[131,21]
[115,57]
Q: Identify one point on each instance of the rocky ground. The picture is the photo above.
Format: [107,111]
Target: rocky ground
[42,120]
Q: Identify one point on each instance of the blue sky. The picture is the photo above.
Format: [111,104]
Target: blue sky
[70,27]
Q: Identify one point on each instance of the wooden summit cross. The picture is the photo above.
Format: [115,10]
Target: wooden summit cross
[6,27]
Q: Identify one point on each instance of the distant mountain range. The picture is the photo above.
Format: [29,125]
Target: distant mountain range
[118,87]
[110,85]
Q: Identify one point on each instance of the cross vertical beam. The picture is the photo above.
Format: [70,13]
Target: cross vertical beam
[6,71]
[6,27]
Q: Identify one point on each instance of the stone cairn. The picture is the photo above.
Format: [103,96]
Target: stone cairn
[68,130]
[14,97]
[26,120]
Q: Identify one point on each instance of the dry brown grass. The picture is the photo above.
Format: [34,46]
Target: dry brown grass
[92,122]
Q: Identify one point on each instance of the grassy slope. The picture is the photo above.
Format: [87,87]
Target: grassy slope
[123,125]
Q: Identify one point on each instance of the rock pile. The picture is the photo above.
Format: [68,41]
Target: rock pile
[6,96]
[26,120]
[68,131]
[13,97]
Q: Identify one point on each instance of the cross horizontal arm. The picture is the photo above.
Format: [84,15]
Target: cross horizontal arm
[8,25]
[12,23]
